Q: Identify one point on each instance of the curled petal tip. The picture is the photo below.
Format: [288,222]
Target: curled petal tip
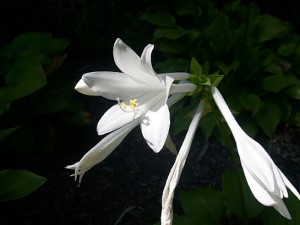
[82,88]
[118,42]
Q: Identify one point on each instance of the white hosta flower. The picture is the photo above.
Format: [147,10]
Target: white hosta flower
[266,181]
[139,92]
[141,96]
[175,173]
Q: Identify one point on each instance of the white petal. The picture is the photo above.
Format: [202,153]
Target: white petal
[146,55]
[253,155]
[113,119]
[279,183]
[264,178]
[155,126]
[99,152]
[130,63]
[259,192]
[82,88]
[281,208]
[289,185]
[182,88]
[257,161]
[175,173]
[176,75]
[113,85]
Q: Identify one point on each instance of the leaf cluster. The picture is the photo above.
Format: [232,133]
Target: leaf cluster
[258,54]
[36,105]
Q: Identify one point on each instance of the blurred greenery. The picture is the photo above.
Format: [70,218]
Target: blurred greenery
[257,54]
[18,184]
[35,104]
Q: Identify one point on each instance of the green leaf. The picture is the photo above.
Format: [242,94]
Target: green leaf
[159,19]
[238,197]
[172,33]
[169,46]
[57,46]
[50,104]
[269,118]
[36,42]
[293,92]
[182,119]
[288,49]
[5,99]
[204,205]
[195,67]
[220,42]
[184,220]
[215,79]
[248,125]
[4,133]
[270,27]
[251,102]
[172,65]
[276,83]
[25,78]
[286,109]
[226,69]
[15,184]
[208,124]
[234,103]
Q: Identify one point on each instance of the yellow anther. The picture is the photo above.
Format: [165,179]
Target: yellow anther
[123,105]
[133,103]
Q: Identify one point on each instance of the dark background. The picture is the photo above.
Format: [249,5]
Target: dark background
[127,185]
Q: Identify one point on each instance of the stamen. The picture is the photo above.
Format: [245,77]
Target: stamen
[133,105]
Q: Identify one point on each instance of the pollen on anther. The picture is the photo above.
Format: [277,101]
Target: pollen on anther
[123,105]
[133,103]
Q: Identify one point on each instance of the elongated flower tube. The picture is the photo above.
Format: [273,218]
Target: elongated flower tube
[139,93]
[175,173]
[267,183]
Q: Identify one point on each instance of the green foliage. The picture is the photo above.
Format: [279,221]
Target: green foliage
[35,101]
[159,18]
[4,133]
[238,197]
[203,205]
[258,54]
[15,184]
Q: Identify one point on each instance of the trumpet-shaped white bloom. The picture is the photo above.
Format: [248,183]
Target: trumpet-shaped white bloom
[141,97]
[175,173]
[266,181]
